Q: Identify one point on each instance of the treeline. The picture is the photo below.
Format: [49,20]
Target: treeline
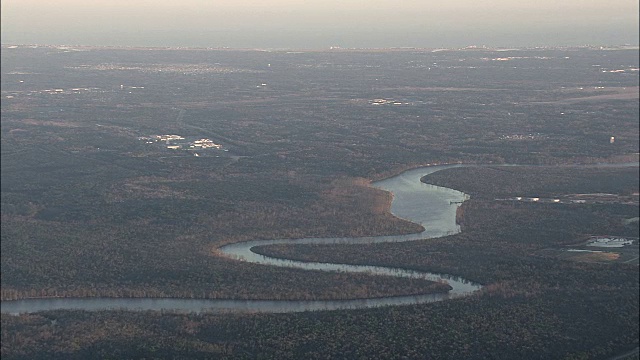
[556,324]
[89,209]
[539,181]
[500,242]
[508,248]
[335,286]
[147,253]
[51,259]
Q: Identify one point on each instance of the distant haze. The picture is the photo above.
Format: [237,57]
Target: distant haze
[320,24]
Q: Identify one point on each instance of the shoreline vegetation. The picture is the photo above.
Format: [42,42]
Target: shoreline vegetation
[446,178]
[92,205]
[351,286]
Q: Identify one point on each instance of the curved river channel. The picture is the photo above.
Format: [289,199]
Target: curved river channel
[433,207]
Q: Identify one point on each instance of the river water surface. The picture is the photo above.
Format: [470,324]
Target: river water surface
[431,206]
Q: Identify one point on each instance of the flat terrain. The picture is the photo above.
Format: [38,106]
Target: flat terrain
[98,200]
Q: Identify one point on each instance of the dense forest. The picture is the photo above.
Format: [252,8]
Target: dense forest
[93,206]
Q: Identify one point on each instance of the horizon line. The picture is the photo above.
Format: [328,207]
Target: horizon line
[330,48]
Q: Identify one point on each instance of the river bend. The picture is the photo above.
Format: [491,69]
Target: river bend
[431,206]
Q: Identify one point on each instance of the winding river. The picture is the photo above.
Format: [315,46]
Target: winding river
[431,206]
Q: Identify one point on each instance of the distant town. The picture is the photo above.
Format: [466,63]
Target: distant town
[178,142]
[599,198]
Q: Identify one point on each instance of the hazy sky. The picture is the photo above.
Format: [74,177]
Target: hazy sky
[320,23]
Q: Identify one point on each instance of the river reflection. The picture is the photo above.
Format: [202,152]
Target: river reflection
[431,206]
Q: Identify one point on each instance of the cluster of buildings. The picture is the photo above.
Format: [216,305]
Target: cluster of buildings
[521,136]
[204,144]
[596,198]
[13,94]
[167,137]
[533,199]
[184,69]
[615,242]
[387,102]
[177,142]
